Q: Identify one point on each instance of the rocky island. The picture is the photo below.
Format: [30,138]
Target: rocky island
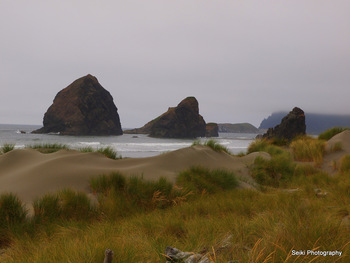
[182,121]
[291,126]
[82,108]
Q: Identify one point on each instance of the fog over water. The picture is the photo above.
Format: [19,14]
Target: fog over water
[242,60]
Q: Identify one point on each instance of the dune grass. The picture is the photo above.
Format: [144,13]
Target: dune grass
[54,147]
[328,134]
[213,144]
[48,147]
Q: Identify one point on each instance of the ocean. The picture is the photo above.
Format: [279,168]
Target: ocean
[127,145]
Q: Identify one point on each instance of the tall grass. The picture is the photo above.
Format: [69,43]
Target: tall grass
[328,134]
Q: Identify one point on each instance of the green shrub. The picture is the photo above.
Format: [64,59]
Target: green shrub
[7,147]
[326,135]
[12,210]
[345,163]
[199,179]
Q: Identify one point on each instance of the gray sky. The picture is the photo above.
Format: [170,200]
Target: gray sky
[242,60]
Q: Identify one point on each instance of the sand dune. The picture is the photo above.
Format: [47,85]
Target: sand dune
[31,174]
[332,159]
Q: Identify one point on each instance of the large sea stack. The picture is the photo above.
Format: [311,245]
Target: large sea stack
[182,121]
[82,108]
[291,126]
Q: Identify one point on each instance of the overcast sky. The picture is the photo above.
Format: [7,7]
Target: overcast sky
[242,60]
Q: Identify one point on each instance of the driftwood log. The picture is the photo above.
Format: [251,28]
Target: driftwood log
[108,256]
[173,254]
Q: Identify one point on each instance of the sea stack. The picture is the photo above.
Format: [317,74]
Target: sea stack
[82,108]
[291,126]
[182,121]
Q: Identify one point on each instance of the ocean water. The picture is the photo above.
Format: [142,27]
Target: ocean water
[127,145]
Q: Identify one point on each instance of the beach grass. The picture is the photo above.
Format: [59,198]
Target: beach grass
[199,180]
[213,144]
[54,147]
[264,145]
[7,147]
[48,147]
[328,134]
[345,164]
[109,152]
[307,149]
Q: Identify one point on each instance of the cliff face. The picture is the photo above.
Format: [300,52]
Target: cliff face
[82,108]
[182,121]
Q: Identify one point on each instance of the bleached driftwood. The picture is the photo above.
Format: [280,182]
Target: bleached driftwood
[108,256]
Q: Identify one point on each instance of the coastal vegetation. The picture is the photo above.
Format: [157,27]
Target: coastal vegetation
[297,206]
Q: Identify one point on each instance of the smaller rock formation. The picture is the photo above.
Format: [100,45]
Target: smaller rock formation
[82,108]
[291,126]
[182,121]
[212,130]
